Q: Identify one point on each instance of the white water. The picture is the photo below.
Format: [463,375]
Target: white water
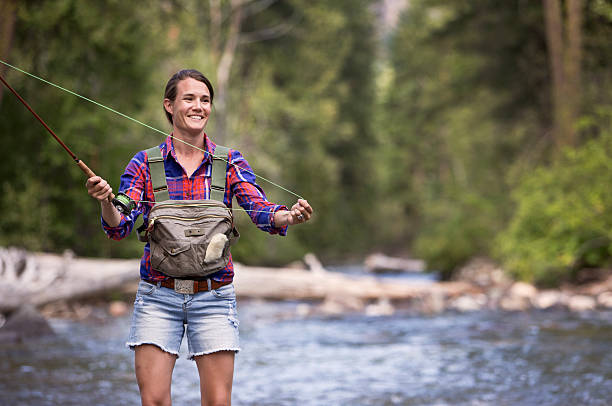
[540,358]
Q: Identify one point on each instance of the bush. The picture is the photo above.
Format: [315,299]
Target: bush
[455,229]
[562,219]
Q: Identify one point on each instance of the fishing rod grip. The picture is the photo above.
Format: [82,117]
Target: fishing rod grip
[91,174]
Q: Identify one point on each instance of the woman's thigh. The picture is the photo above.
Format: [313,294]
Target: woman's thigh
[216,375]
[154,373]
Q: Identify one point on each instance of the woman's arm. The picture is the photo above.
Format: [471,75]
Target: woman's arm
[115,224]
[250,196]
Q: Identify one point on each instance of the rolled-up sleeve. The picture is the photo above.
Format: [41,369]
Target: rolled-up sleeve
[133,185]
[250,196]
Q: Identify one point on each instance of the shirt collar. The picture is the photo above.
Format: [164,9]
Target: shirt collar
[209,148]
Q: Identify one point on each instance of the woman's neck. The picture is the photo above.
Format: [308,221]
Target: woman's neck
[186,148]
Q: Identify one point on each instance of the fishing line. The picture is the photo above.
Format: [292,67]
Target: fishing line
[153,202]
[229,208]
[146,125]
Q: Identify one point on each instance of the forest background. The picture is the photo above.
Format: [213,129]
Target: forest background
[465,128]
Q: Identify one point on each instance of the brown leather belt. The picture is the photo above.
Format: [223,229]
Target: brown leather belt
[188,286]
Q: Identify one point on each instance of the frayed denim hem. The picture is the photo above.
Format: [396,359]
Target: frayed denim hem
[197,354]
[132,345]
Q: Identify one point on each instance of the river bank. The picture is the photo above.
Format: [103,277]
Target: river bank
[492,293]
[65,286]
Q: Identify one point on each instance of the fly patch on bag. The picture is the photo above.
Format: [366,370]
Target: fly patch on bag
[190,238]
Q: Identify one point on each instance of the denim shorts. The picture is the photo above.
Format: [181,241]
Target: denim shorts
[162,316]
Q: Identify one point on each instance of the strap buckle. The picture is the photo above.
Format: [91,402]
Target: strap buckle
[184,286]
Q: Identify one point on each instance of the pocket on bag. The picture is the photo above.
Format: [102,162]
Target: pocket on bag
[169,259]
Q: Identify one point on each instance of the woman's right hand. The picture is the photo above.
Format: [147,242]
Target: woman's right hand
[98,188]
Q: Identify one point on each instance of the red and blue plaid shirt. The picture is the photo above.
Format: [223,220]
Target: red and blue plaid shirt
[239,183]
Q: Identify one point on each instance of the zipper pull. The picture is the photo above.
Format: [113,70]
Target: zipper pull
[151,222]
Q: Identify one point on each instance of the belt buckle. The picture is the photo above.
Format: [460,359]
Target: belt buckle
[184,286]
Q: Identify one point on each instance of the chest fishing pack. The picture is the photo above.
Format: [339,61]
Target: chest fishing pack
[189,238]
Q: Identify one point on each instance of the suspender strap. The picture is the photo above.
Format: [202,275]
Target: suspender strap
[158,174]
[160,185]
[219,169]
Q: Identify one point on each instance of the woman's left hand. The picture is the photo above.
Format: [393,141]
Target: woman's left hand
[300,212]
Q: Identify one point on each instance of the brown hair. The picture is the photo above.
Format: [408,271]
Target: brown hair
[170,92]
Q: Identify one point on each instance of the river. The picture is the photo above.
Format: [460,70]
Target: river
[535,358]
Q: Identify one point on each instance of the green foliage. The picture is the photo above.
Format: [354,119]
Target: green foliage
[292,113]
[562,219]
[465,114]
[455,228]
[304,121]
[90,48]
[409,143]
[447,152]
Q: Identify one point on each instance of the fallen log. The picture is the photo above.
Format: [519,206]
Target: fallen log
[38,279]
[380,263]
[294,284]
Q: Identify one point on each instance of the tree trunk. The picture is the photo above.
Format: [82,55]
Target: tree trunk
[8,14]
[573,59]
[224,68]
[565,57]
[224,42]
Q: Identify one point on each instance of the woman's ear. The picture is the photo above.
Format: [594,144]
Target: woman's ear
[168,106]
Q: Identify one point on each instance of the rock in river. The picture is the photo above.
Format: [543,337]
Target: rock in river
[23,324]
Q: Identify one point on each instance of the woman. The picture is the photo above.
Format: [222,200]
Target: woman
[161,314]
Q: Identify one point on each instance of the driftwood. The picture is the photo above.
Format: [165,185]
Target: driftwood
[37,279]
[380,263]
[289,283]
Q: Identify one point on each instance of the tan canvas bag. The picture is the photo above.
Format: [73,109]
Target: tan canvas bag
[189,238]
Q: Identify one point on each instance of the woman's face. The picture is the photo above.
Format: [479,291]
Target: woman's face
[191,108]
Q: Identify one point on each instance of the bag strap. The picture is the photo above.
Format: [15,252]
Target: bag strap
[160,185]
[158,174]
[219,169]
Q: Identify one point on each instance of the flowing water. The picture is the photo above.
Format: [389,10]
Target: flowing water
[536,358]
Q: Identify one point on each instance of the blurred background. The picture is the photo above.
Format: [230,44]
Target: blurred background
[441,130]
[437,129]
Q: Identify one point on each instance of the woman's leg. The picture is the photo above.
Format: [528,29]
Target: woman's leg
[216,375]
[154,374]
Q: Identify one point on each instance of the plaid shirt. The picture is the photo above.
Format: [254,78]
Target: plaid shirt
[239,183]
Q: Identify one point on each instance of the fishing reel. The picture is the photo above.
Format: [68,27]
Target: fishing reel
[123,203]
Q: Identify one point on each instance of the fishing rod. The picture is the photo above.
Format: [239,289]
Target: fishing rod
[120,195]
[122,204]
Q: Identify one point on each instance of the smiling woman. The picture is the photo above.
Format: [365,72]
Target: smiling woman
[205,177]
[189,111]
[188,103]
[172,87]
